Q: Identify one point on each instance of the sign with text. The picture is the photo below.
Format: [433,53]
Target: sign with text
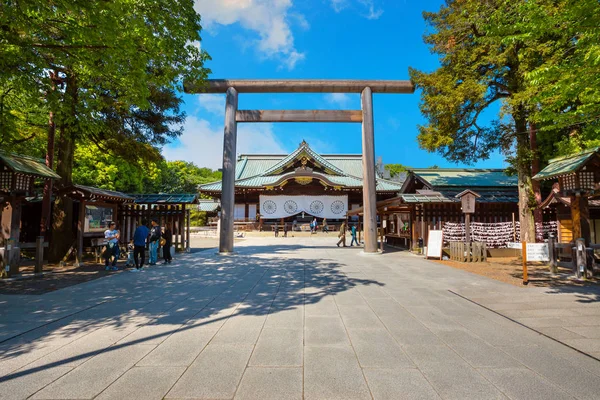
[538,252]
[434,244]
[468,203]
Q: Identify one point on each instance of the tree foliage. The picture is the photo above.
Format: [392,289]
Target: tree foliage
[486,59]
[395,169]
[106,70]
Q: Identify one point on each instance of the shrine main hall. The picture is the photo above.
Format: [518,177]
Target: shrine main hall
[297,187]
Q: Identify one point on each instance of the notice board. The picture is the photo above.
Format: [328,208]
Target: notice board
[434,244]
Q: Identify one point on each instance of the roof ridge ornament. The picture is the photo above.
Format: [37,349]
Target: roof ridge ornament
[303,143]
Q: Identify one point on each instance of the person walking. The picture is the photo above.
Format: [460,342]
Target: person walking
[154,240]
[285,229]
[112,236]
[325,226]
[139,246]
[276,230]
[342,235]
[168,242]
[315,225]
[353,234]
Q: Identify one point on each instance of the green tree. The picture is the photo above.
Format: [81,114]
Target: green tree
[94,167]
[484,61]
[184,177]
[106,58]
[395,169]
[568,81]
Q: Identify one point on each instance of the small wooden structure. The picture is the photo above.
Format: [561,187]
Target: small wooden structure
[17,176]
[578,178]
[468,251]
[168,209]
[97,208]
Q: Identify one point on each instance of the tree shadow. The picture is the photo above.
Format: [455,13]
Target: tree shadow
[197,290]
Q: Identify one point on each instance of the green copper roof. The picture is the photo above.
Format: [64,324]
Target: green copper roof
[208,205]
[181,198]
[467,178]
[566,165]
[27,165]
[304,148]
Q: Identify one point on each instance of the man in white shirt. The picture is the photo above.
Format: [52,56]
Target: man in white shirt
[111,235]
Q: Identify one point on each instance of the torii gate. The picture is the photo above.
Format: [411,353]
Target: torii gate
[233,116]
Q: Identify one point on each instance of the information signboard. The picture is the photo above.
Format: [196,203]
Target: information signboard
[434,244]
[537,252]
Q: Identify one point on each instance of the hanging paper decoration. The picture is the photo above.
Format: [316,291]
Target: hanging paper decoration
[275,207]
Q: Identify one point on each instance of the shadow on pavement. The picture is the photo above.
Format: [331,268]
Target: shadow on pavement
[197,290]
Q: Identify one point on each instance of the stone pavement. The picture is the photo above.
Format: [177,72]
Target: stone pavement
[293,318]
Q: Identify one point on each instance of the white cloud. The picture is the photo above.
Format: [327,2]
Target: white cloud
[368,8]
[270,19]
[212,103]
[340,99]
[202,143]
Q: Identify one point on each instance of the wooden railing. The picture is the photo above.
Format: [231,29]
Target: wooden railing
[468,251]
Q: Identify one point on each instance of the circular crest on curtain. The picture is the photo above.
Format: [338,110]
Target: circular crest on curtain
[290,207]
[337,207]
[269,207]
[316,207]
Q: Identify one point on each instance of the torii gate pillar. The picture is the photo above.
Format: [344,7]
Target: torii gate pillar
[368,163]
[228,180]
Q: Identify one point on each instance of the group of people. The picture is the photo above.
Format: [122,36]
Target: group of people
[342,235]
[143,236]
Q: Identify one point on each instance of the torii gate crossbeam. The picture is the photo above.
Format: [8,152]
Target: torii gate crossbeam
[232,116]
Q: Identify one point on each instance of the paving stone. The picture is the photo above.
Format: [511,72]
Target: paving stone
[23,383]
[359,317]
[393,384]
[376,348]
[325,331]
[180,349]
[560,371]
[278,347]
[590,332]
[321,304]
[215,374]
[584,344]
[333,373]
[270,384]
[292,318]
[460,382]
[477,352]
[523,384]
[424,354]
[95,375]
[144,383]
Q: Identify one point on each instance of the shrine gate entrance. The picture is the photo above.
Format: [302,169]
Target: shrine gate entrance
[365,116]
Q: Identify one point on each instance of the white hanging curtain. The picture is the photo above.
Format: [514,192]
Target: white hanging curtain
[332,207]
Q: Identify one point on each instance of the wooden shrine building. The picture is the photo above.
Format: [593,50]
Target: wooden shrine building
[574,198]
[297,187]
[18,174]
[428,200]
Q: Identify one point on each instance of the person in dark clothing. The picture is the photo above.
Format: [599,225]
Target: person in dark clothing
[139,245]
[285,229]
[168,236]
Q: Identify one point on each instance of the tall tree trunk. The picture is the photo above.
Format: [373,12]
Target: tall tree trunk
[47,199]
[526,196]
[537,192]
[63,233]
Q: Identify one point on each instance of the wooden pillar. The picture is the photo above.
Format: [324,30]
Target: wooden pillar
[580,215]
[80,222]
[187,235]
[39,255]
[228,181]
[467,227]
[368,163]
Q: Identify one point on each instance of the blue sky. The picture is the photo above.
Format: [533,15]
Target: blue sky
[319,39]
